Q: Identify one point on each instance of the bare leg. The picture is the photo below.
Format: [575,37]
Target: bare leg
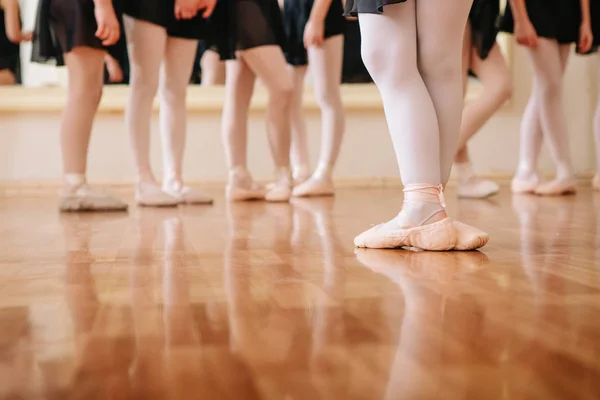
[239,85]
[178,64]
[7,78]
[269,65]
[299,151]
[86,71]
[326,66]
[213,69]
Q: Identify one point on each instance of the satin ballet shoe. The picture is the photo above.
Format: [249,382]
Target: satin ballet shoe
[557,187]
[596,182]
[186,194]
[281,190]
[477,188]
[469,237]
[524,186]
[149,194]
[436,236]
[86,198]
[241,193]
[300,174]
[314,187]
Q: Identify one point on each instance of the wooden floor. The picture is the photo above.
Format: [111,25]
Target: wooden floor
[267,301]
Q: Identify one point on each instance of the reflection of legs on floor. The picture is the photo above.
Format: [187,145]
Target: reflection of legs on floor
[299,147]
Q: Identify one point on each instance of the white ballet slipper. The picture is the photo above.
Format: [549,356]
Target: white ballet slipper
[314,187]
[86,198]
[477,188]
[186,194]
[281,189]
[149,194]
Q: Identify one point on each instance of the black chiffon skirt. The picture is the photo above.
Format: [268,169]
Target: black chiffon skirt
[162,13]
[62,25]
[355,7]
[295,17]
[552,19]
[245,24]
[484,19]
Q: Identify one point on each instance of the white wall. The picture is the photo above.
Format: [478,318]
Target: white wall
[29,144]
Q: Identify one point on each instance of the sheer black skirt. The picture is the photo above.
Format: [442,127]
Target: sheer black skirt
[162,13]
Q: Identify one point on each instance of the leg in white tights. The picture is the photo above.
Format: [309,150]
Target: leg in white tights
[86,74]
[440,28]
[269,65]
[421,92]
[597,140]
[526,179]
[146,45]
[213,69]
[299,151]
[173,83]
[239,85]
[548,62]
[494,75]
[326,67]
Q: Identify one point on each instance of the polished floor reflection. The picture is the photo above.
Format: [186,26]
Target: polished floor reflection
[271,301]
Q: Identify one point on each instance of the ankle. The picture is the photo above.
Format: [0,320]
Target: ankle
[73,180]
[564,172]
[465,171]
[323,171]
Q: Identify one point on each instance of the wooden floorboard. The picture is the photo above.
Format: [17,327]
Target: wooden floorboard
[271,301]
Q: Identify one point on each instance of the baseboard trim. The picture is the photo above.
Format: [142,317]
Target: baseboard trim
[43,188]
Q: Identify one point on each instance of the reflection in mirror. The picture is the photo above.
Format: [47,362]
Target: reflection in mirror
[11,36]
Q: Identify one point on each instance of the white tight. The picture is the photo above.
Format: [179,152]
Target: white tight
[494,75]
[544,116]
[269,65]
[421,86]
[213,69]
[86,74]
[158,62]
[597,130]
[326,68]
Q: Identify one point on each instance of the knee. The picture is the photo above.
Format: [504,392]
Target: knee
[282,95]
[144,84]
[328,97]
[549,87]
[388,63]
[86,93]
[439,64]
[504,88]
[172,92]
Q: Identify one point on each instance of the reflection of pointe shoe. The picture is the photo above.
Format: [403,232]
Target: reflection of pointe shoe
[315,187]
[596,182]
[186,194]
[150,194]
[477,188]
[469,237]
[421,265]
[436,236]
[557,187]
[523,186]
[281,190]
[86,198]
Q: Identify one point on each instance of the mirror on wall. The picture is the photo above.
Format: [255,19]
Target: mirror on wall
[16,67]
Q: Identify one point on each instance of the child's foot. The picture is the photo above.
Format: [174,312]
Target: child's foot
[149,194]
[557,187]
[86,198]
[241,187]
[315,186]
[421,224]
[477,188]
[281,189]
[186,194]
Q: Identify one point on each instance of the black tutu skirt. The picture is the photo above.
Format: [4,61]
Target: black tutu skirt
[62,25]
[295,17]
[245,24]
[484,19]
[9,52]
[355,7]
[162,13]
[552,19]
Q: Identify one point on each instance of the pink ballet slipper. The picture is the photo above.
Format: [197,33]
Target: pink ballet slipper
[524,186]
[469,237]
[557,187]
[436,236]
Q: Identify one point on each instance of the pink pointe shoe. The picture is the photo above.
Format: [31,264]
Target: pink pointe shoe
[436,236]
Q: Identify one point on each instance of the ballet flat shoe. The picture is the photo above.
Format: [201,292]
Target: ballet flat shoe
[469,237]
[314,187]
[521,186]
[236,193]
[86,198]
[438,236]
[556,188]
